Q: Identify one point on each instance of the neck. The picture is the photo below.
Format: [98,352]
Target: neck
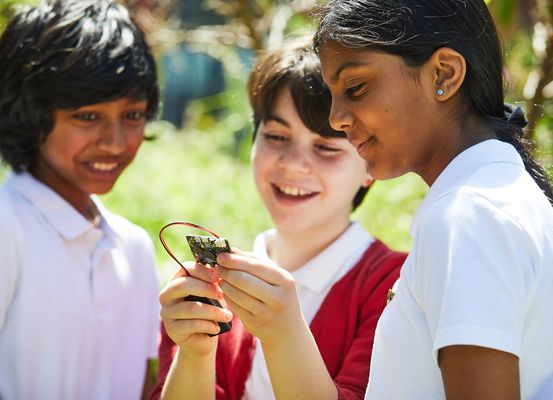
[465,135]
[292,250]
[78,199]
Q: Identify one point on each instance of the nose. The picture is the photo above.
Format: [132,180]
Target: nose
[296,159]
[339,118]
[112,138]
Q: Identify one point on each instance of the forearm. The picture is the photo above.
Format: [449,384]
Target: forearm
[296,368]
[190,378]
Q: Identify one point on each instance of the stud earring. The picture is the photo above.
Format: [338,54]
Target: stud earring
[440,91]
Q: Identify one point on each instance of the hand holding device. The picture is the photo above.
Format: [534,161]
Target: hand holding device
[205,250]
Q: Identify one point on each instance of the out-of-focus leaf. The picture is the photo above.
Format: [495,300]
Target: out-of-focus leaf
[506,11]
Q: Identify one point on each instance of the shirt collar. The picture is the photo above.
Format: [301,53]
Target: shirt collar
[462,167]
[58,212]
[320,272]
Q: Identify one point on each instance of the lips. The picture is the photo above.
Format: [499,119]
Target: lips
[292,192]
[364,145]
[104,168]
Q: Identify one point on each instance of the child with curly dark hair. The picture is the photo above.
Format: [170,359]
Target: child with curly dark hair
[78,293]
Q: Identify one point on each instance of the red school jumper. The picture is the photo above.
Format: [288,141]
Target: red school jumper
[343,328]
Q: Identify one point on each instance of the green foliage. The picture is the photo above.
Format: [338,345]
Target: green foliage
[8,7]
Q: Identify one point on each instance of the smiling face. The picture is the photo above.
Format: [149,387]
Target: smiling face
[89,148]
[306,181]
[388,111]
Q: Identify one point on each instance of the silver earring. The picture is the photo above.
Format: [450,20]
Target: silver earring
[440,91]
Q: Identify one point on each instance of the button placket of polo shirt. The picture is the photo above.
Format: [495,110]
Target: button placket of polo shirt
[107,260]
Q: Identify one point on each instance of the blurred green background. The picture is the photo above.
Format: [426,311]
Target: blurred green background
[197,168]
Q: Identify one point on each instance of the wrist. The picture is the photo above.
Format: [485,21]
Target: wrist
[200,353]
[287,337]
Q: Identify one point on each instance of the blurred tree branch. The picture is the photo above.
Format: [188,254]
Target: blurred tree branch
[543,74]
[254,24]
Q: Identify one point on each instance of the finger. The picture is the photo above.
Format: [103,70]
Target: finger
[247,283]
[178,273]
[201,271]
[181,287]
[192,310]
[236,250]
[181,330]
[242,313]
[244,300]
[262,269]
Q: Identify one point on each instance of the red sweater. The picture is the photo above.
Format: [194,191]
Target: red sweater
[343,328]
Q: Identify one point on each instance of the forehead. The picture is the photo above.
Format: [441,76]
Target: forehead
[337,59]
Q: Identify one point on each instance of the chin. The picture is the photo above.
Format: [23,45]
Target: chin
[100,189]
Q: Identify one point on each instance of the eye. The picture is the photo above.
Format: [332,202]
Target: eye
[135,115]
[273,137]
[327,149]
[354,91]
[86,116]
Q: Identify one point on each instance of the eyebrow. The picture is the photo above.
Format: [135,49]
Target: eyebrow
[344,66]
[276,118]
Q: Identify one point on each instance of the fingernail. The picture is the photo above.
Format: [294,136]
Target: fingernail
[213,275]
[228,314]
[221,258]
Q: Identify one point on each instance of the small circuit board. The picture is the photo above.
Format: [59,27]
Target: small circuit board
[206,248]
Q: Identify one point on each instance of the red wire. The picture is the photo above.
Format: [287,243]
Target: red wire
[189,224]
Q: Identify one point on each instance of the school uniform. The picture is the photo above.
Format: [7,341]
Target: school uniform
[342,292]
[480,273]
[78,303]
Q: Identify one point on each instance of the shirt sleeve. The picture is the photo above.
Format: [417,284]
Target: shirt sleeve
[475,274]
[10,250]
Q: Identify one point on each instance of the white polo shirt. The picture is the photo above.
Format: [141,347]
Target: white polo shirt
[313,282]
[78,304]
[480,273]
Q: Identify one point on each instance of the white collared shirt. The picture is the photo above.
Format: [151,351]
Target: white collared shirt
[480,273]
[313,282]
[78,304]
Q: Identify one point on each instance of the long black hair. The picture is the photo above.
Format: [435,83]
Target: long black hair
[414,29]
[65,54]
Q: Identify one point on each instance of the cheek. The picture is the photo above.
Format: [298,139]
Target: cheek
[262,158]
[61,148]
[133,142]
[258,163]
[345,173]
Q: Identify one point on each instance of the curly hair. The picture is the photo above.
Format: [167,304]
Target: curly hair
[65,54]
[297,67]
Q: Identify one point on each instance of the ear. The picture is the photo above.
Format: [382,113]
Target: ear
[450,69]
[368,181]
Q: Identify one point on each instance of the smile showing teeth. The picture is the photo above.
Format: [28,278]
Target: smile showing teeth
[104,166]
[293,191]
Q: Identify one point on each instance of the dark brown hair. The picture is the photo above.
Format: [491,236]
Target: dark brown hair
[65,54]
[294,66]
